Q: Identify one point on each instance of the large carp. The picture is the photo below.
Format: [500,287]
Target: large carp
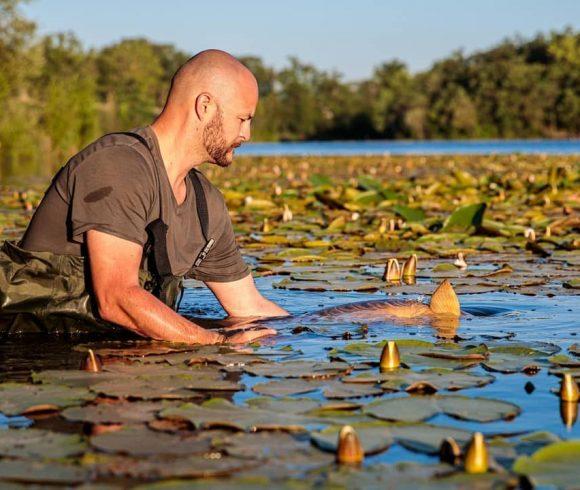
[443,303]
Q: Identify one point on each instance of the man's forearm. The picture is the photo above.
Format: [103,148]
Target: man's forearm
[140,311]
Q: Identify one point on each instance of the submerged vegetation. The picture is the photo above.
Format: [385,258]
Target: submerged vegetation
[56,96]
[332,404]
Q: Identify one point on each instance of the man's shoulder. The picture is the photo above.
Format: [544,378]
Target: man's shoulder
[125,146]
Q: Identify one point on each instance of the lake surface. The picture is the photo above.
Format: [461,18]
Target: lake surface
[437,147]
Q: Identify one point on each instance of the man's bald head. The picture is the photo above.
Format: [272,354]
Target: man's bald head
[215,72]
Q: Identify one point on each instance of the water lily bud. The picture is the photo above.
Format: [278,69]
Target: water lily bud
[460,261]
[355,216]
[476,458]
[349,449]
[392,225]
[277,190]
[266,228]
[568,413]
[383,226]
[392,271]
[449,451]
[410,267]
[548,231]
[287,214]
[530,234]
[390,357]
[92,363]
[569,389]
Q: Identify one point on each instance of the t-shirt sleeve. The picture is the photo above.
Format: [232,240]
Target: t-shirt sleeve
[111,192]
[224,262]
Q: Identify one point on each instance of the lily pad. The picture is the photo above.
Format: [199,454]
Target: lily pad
[299,369]
[553,465]
[39,443]
[141,441]
[287,387]
[428,380]
[465,219]
[219,413]
[420,408]
[374,437]
[21,398]
[25,471]
[114,413]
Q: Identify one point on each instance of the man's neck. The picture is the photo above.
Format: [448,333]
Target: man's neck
[177,151]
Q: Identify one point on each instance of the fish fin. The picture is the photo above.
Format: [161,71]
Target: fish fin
[444,300]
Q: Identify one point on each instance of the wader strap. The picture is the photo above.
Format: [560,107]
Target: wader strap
[202,213]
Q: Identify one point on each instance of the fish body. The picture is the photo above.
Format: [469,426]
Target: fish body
[444,303]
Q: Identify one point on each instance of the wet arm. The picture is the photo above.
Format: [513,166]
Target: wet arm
[241,298]
[114,264]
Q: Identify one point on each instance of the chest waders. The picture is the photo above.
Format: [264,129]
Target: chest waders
[43,292]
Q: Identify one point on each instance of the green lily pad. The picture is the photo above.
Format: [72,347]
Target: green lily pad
[21,398]
[196,466]
[553,465]
[114,413]
[141,441]
[374,437]
[165,387]
[339,390]
[465,219]
[426,438]
[409,214]
[299,369]
[269,446]
[287,387]
[25,471]
[428,380]
[39,443]
[420,408]
[218,413]
[285,405]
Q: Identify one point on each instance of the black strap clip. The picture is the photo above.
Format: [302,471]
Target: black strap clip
[203,254]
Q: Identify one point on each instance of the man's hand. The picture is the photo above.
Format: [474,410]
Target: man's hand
[242,299]
[114,264]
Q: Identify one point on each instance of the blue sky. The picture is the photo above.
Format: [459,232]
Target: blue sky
[348,36]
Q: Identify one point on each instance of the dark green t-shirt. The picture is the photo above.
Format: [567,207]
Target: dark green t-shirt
[113,186]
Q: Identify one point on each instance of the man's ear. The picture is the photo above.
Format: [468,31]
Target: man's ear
[204,106]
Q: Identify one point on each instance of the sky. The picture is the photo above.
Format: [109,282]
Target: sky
[350,37]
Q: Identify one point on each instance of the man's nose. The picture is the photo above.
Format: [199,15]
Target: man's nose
[246,131]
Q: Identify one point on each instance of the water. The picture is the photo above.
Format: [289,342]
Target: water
[528,318]
[389,147]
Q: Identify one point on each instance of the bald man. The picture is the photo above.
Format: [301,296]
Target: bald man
[126,218]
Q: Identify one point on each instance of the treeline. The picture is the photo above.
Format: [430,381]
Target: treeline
[56,96]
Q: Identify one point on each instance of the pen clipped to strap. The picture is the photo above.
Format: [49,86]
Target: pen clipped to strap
[203,254]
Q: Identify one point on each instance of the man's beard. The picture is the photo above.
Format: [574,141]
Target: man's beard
[214,141]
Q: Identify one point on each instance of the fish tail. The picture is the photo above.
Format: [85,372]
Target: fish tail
[444,300]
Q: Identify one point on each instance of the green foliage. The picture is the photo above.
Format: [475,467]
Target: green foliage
[57,96]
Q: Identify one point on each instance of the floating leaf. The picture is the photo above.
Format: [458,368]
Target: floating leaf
[374,437]
[114,413]
[25,471]
[300,369]
[553,465]
[420,408]
[218,413]
[428,380]
[141,441]
[410,215]
[21,398]
[465,219]
[39,444]
[287,387]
